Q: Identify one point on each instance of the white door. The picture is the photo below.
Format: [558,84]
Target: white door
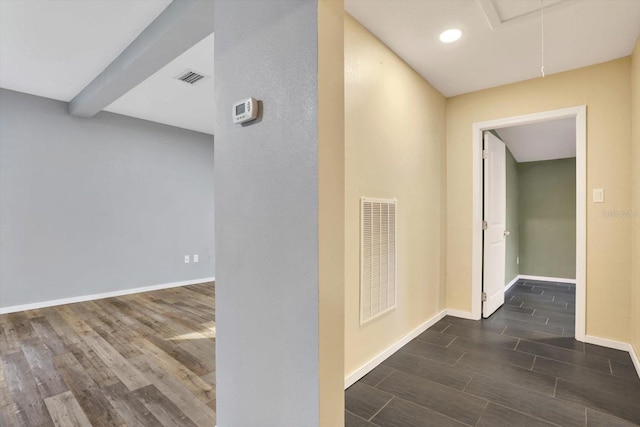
[495,195]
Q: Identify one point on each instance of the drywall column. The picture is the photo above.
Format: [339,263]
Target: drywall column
[279,308]
[331,211]
[635,199]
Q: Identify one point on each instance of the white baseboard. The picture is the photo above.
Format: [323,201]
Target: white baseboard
[546,279]
[635,359]
[541,278]
[604,342]
[511,283]
[461,314]
[617,345]
[386,353]
[63,301]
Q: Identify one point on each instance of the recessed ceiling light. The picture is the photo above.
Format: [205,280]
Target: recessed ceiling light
[449,36]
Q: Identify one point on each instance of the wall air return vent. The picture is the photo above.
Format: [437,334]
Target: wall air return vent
[377,257]
[190,76]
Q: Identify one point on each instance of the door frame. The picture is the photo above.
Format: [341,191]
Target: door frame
[580,115]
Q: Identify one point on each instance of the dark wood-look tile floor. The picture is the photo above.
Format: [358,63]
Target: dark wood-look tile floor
[138,360]
[520,367]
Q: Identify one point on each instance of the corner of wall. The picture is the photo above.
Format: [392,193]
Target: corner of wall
[331,211]
[635,202]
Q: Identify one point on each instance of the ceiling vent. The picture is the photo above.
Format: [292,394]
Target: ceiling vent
[190,76]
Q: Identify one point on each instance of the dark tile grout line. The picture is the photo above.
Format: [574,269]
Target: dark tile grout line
[468,382]
[530,415]
[385,377]
[482,413]
[393,396]
[359,417]
[455,337]
[580,366]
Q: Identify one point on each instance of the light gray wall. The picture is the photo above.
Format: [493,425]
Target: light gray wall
[512,269]
[267,215]
[98,205]
[547,212]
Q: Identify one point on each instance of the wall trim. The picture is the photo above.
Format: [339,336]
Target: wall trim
[511,283]
[617,345]
[386,353]
[635,359]
[546,279]
[461,314]
[83,298]
[605,342]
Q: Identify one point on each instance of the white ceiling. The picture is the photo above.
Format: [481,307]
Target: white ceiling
[54,48]
[577,33]
[550,140]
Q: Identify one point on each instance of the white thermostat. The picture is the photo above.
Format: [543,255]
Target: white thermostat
[245,110]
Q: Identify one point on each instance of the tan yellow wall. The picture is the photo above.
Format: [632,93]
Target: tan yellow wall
[394,147]
[635,166]
[331,211]
[606,90]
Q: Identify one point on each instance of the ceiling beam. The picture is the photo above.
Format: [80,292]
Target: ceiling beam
[181,25]
[490,12]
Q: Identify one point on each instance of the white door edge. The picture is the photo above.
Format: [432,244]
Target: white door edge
[495,215]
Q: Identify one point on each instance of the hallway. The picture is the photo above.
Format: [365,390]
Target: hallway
[522,366]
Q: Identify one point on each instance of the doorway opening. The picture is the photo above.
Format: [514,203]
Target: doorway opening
[578,116]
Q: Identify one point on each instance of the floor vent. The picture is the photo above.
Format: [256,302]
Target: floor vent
[190,76]
[377,257]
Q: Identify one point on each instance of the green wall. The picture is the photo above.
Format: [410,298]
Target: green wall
[513,240]
[547,216]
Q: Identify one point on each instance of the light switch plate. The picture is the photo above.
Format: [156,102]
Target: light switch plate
[186,259]
[598,195]
[196,258]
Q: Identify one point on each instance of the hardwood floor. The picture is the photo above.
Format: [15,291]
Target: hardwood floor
[138,360]
[520,367]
